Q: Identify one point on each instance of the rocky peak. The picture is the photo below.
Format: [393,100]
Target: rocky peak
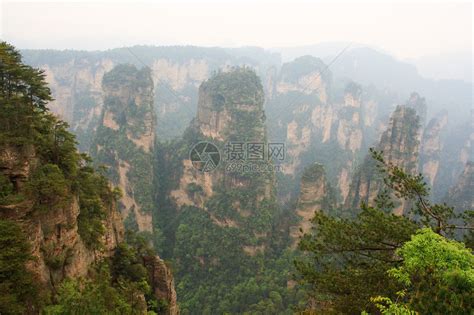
[128,104]
[305,74]
[432,146]
[349,122]
[461,194]
[399,145]
[315,195]
[230,109]
[400,141]
[125,139]
[418,103]
[230,106]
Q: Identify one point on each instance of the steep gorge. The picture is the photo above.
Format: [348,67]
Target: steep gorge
[224,232]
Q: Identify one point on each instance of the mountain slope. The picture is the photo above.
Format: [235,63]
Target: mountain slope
[62,240]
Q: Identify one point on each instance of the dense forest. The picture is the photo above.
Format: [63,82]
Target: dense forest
[303,240]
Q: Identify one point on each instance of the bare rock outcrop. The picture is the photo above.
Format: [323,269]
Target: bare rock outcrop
[399,144]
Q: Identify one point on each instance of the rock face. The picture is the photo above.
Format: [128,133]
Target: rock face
[230,109]
[456,151]
[76,85]
[321,122]
[229,100]
[298,111]
[461,197]
[461,194]
[319,119]
[59,250]
[125,140]
[418,103]
[399,144]
[432,146]
[315,195]
[162,283]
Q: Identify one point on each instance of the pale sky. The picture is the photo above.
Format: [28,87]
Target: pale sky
[405,29]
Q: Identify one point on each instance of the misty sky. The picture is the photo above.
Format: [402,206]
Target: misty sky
[406,30]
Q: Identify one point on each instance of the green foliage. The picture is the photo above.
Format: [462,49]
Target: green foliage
[130,222]
[240,92]
[215,275]
[18,288]
[27,127]
[57,145]
[193,189]
[96,296]
[240,86]
[8,194]
[227,256]
[346,260]
[387,307]
[23,95]
[128,75]
[49,187]
[59,176]
[119,285]
[6,187]
[95,200]
[52,259]
[413,187]
[213,272]
[438,274]
[127,264]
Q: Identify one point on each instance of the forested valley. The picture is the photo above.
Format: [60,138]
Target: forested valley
[192,180]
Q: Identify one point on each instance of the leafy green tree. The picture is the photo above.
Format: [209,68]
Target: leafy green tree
[437,273]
